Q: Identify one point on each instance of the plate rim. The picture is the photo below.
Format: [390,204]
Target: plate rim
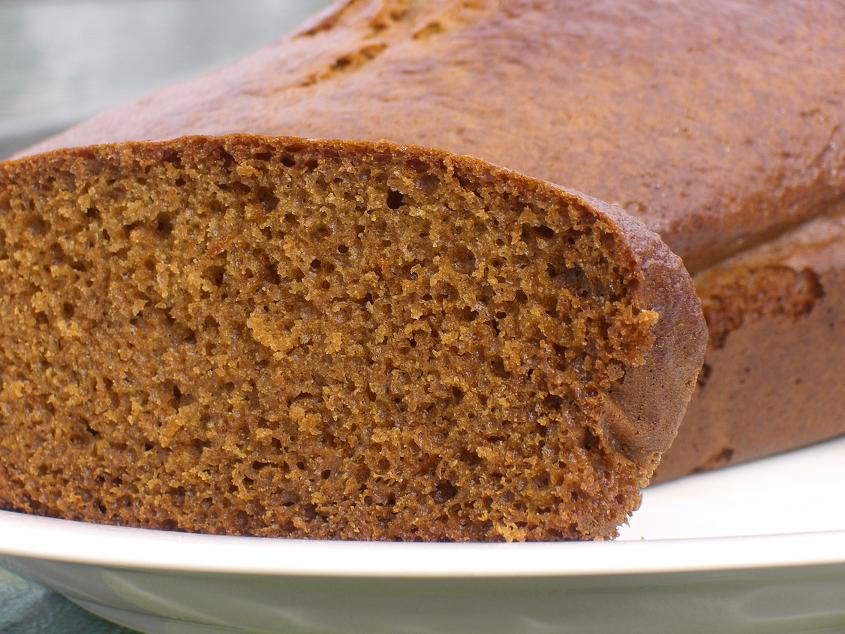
[34,537]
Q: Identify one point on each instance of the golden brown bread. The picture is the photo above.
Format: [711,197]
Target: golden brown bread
[273,336]
[701,119]
[720,125]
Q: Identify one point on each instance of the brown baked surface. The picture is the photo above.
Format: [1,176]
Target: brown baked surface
[773,373]
[720,124]
[277,337]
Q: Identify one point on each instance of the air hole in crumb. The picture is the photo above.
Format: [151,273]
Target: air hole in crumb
[457,395]
[469,457]
[90,430]
[429,183]
[215,274]
[164,225]
[173,157]
[241,189]
[129,227]
[68,310]
[444,492]
[552,402]
[467,314]
[41,318]
[210,324]
[497,365]
[37,225]
[288,160]
[343,249]
[271,274]
[448,292]
[395,199]
[464,260]
[315,264]
[267,198]
[572,278]
[92,213]
[590,440]
[545,232]
[418,166]
[224,156]
[321,232]
[521,297]
[78,265]
[542,480]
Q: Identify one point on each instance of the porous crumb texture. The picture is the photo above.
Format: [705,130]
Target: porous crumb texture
[311,340]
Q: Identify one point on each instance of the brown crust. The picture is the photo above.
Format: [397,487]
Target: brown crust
[674,362]
[754,398]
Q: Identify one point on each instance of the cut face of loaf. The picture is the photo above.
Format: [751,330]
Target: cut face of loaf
[276,337]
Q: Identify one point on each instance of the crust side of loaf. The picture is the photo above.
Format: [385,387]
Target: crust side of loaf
[180,304]
[640,420]
[785,295]
[720,125]
[720,136]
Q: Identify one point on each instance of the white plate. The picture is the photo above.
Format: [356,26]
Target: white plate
[756,548]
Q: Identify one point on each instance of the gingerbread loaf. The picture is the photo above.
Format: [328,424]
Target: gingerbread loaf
[703,122]
[279,337]
[720,125]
